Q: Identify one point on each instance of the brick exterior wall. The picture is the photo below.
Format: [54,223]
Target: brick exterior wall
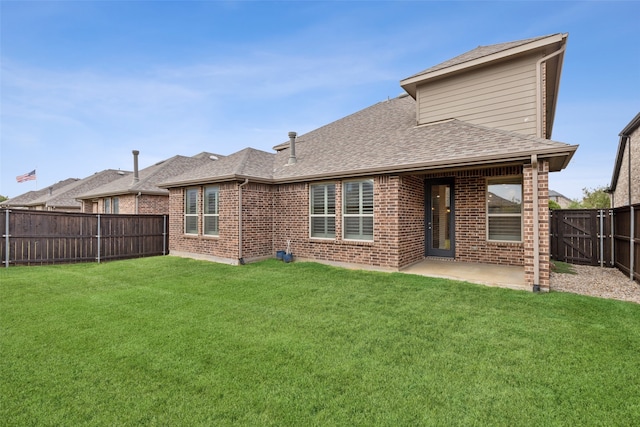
[147,204]
[621,193]
[274,214]
[471,243]
[223,246]
[411,202]
[291,222]
[257,221]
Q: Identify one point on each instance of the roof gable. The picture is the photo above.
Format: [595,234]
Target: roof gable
[482,56]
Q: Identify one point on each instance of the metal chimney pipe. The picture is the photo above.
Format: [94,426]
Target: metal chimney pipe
[135,165]
[292,148]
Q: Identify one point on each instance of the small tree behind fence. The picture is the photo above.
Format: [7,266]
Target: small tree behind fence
[40,237]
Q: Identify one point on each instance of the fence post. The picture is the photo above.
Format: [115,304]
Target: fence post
[612,212]
[98,236]
[164,235]
[601,255]
[632,245]
[6,239]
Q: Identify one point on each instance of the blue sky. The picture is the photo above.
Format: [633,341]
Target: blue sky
[84,83]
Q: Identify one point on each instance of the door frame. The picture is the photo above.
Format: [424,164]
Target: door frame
[428,237]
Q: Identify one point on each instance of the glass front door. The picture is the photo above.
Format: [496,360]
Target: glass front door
[439,221]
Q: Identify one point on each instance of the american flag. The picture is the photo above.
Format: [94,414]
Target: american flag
[27,176]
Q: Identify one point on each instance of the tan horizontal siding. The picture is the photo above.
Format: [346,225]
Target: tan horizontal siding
[502,96]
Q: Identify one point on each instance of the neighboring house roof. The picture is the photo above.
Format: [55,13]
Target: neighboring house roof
[67,197]
[382,139]
[624,135]
[27,199]
[553,193]
[150,177]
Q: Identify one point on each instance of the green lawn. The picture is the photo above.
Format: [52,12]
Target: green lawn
[171,341]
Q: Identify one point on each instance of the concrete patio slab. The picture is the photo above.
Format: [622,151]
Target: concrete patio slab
[485,274]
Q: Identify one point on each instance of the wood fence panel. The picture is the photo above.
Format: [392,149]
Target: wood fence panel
[622,238]
[40,237]
[575,236]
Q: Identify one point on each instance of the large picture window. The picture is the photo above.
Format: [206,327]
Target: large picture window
[322,211]
[191,211]
[211,213]
[358,210]
[504,209]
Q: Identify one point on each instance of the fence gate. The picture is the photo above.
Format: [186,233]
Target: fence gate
[581,236]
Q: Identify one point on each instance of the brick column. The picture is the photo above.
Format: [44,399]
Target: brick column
[542,193]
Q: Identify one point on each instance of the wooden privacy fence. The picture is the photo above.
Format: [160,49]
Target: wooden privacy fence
[581,236]
[626,240]
[40,237]
[605,237]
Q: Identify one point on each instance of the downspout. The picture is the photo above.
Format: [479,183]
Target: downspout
[629,163]
[632,241]
[137,195]
[632,217]
[539,88]
[536,224]
[240,258]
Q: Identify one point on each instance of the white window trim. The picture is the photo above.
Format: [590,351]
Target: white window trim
[209,215]
[311,215]
[504,179]
[186,215]
[360,215]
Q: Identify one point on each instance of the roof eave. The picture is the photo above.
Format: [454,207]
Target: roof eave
[562,155]
[631,127]
[216,179]
[120,193]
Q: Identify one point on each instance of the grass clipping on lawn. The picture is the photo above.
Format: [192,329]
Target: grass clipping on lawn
[172,341]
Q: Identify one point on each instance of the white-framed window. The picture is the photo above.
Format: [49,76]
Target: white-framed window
[322,210]
[191,211]
[107,205]
[211,214]
[115,205]
[357,209]
[504,209]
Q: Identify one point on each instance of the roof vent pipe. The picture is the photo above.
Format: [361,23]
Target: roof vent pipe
[135,166]
[292,147]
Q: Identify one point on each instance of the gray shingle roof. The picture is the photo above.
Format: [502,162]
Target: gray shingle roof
[150,177]
[248,162]
[479,52]
[384,137]
[67,197]
[381,138]
[28,198]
